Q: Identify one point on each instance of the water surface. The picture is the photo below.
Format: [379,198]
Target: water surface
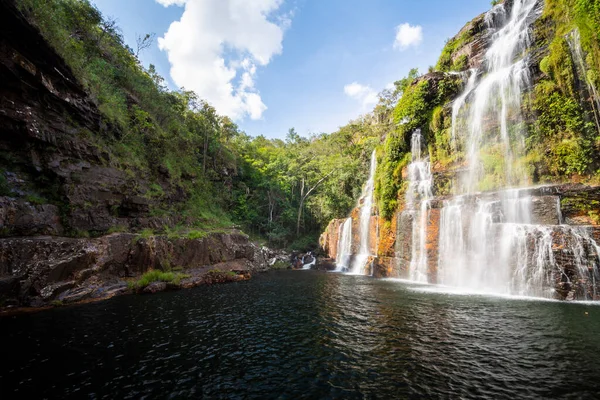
[304,334]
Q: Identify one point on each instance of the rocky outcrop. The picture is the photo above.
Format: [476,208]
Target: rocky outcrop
[37,270]
[329,238]
[20,217]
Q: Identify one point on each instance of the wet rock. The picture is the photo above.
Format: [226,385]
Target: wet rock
[76,295]
[110,291]
[326,264]
[155,287]
[51,291]
[217,276]
[191,282]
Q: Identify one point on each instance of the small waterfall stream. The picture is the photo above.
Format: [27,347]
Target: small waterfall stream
[574,41]
[344,248]
[366,208]
[417,203]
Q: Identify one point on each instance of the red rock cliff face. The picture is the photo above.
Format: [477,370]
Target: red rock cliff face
[329,239]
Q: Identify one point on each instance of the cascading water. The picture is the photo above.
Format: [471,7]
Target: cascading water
[344,248]
[417,203]
[460,102]
[490,241]
[366,209]
[494,102]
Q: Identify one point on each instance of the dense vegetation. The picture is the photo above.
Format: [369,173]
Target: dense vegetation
[280,190]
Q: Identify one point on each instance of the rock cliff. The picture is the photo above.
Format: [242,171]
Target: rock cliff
[36,271]
[62,193]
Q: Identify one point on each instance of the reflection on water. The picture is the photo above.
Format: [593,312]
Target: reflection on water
[304,335]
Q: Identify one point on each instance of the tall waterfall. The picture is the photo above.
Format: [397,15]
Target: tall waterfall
[344,247]
[492,241]
[417,203]
[365,221]
[494,101]
[483,237]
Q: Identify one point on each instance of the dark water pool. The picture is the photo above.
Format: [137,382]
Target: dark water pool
[304,334]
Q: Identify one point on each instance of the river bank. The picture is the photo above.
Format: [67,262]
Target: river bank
[38,272]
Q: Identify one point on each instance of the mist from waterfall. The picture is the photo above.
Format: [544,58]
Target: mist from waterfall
[418,195]
[366,208]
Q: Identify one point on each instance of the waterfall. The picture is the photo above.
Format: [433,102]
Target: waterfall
[365,221]
[344,248]
[417,203]
[494,102]
[489,241]
[458,104]
[310,264]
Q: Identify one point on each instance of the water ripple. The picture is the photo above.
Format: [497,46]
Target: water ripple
[310,335]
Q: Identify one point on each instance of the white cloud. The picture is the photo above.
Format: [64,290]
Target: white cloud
[216,47]
[168,3]
[407,36]
[365,94]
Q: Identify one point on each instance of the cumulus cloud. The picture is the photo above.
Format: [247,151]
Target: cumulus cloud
[216,47]
[363,93]
[407,36]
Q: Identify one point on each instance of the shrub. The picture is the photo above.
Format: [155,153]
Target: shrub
[157,276]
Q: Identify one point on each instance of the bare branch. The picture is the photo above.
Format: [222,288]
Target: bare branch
[143,42]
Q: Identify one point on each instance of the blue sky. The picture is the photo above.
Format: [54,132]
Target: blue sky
[276,64]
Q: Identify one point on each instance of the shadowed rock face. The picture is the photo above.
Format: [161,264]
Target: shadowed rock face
[37,270]
[46,120]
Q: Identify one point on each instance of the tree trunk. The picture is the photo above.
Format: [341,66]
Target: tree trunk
[204,153]
[299,216]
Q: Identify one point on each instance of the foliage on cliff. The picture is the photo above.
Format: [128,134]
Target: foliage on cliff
[419,107]
[564,140]
[562,120]
[199,166]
